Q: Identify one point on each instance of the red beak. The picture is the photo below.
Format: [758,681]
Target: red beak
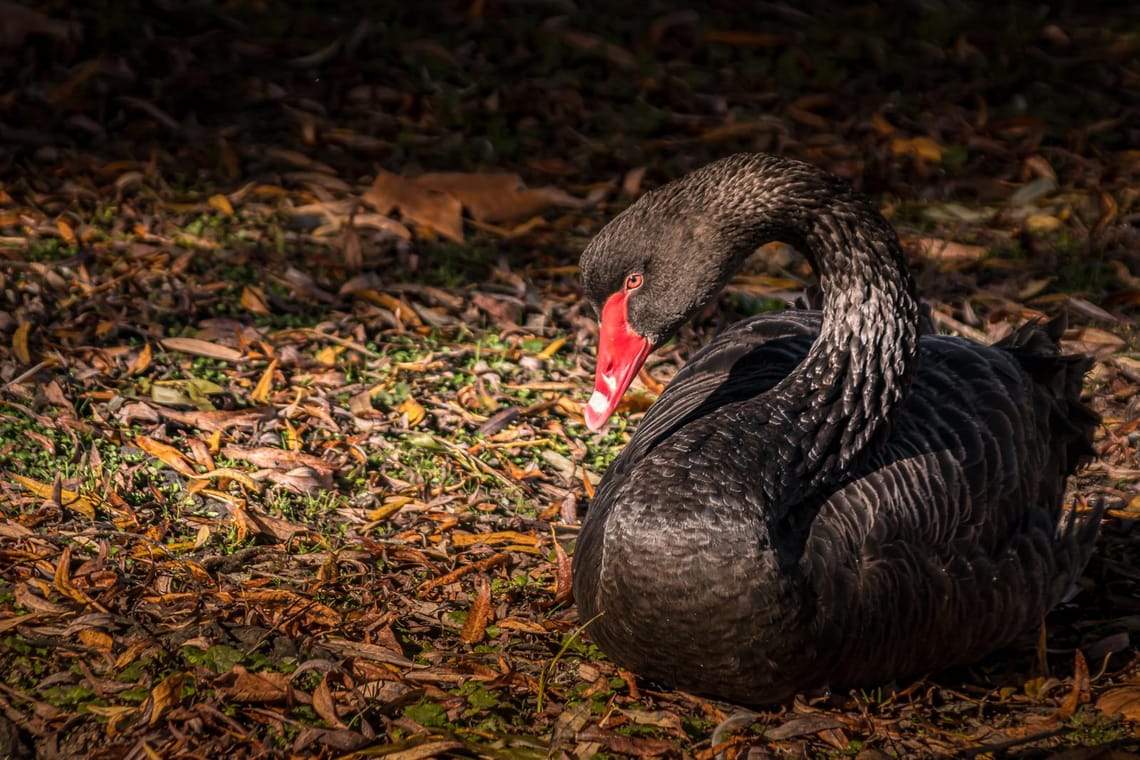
[621,352]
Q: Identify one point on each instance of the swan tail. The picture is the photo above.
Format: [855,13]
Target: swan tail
[1037,348]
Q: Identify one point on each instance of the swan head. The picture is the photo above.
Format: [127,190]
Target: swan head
[646,273]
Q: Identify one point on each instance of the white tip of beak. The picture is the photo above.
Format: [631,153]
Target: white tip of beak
[597,411]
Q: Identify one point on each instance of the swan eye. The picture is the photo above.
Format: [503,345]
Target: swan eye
[633,282]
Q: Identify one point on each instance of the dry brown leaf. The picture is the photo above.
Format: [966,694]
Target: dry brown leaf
[259,523]
[478,615]
[221,204]
[260,392]
[303,479]
[18,22]
[564,576]
[438,211]
[937,249]
[324,705]
[1100,344]
[96,639]
[162,697]
[20,343]
[1080,692]
[253,300]
[25,597]
[221,420]
[425,750]
[165,453]
[204,348]
[243,686]
[484,564]
[141,362]
[922,147]
[497,197]
[414,411]
[69,499]
[62,582]
[403,312]
[461,539]
[270,457]
[1123,700]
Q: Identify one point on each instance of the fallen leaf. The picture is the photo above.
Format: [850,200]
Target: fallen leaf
[414,411]
[438,211]
[324,705]
[222,204]
[166,454]
[1123,700]
[69,499]
[162,697]
[497,197]
[478,614]
[937,249]
[20,343]
[461,539]
[922,147]
[264,687]
[253,300]
[201,348]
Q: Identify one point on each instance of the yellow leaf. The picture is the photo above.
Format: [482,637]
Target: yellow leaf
[391,506]
[141,362]
[552,349]
[68,499]
[413,409]
[221,203]
[498,537]
[166,454]
[65,231]
[164,696]
[229,473]
[260,393]
[20,343]
[328,355]
[922,147]
[253,299]
[95,639]
[1043,223]
[62,582]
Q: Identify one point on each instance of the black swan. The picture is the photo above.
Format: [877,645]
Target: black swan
[818,498]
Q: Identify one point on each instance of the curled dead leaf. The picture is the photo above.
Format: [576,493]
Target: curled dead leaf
[414,411]
[1123,701]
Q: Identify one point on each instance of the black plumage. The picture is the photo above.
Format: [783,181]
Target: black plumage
[819,498]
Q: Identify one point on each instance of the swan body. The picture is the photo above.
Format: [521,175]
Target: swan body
[818,498]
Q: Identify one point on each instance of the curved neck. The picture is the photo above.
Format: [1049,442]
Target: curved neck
[844,393]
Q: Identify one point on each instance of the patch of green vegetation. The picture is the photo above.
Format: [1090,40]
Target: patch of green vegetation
[49,250]
[219,658]
[1092,728]
[426,713]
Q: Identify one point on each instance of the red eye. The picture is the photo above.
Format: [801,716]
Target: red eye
[633,282]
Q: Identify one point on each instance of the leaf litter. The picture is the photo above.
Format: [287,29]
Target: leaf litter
[294,357]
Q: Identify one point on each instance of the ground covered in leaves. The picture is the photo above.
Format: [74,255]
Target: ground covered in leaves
[292,356]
